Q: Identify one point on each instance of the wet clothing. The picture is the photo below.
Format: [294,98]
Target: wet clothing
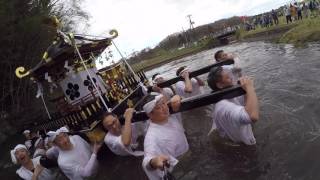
[26,174]
[232,121]
[79,162]
[115,143]
[164,139]
[180,86]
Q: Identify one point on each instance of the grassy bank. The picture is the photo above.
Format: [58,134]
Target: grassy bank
[297,33]
[306,31]
[167,56]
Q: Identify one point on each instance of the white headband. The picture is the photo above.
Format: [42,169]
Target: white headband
[184,70]
[157,77]
[148,107]
[26,131]
[53,134]
[12,152]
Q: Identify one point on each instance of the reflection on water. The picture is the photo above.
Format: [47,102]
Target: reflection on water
[287,82]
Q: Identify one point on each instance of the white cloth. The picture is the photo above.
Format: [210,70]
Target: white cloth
[52,153]
[232,121]
[148,107]
[79,162]
[13,152]
[115,143]
[26,174]
[166,139]
[28,143]
[167,92]
[39,152]
[52,134]
[26,131]
[196,89]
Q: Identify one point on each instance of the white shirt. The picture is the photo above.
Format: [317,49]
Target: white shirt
[232,121]
[79,162]
[116,145]
[164,139]
[167,92]
[180,86]
[26,174]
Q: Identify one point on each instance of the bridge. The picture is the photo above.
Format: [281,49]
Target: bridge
[224,35]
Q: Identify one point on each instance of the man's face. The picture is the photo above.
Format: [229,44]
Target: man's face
[223,56]
[226,80]
[160,112]
[62,140]
[22,156]
[159,80]
[112,124]
[27,135]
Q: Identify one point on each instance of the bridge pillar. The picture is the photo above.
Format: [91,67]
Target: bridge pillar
[224,41]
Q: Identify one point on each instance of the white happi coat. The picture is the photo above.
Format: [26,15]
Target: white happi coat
[164,139]
[26,174]
[79,162]
[196,89]
[115,143]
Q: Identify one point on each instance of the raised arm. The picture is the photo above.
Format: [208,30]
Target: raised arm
[252,106]
[199,81]
[127,131]
[187,81]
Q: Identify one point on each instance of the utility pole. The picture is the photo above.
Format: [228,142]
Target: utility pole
[191,28]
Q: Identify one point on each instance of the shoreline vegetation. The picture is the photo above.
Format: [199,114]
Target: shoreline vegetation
[298,33]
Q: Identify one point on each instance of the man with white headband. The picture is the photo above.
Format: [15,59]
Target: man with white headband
[122,140]
[188,87]
[157,79]
[30,169]
[165,140]
[234,70]
[75,159]
[27,135]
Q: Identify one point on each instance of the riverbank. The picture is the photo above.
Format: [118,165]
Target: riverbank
[297,33]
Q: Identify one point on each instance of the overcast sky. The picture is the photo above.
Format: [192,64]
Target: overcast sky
[144,23]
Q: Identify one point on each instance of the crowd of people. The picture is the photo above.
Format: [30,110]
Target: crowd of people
[292,12]
[165,141]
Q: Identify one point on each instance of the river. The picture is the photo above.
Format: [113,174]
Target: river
[287,81]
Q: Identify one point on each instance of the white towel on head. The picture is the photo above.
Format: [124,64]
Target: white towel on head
[53,134]
[184,70]
[12,152]
[26,131]
[148,107]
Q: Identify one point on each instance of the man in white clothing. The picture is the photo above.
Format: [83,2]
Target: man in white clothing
[233,117]
[121,140]
[75,159]
[165,140]
[190,86]
[167,91]
[30,169]
[234,69]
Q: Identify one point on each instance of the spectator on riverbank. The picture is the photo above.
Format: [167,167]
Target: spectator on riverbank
[287,13]
[30,169]
[233,117]
[299,9]
[305,10]
[165,139]
[275,17]
[190,86]
[293,10]
[122,140]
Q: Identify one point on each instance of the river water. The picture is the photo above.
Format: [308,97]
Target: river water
[287,81]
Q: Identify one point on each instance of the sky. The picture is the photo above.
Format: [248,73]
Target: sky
[144,23]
